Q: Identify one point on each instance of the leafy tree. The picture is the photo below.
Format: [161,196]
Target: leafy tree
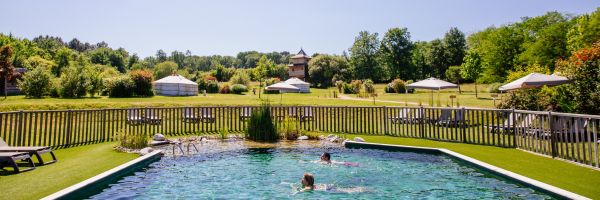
[544,39]
[436,58]
[323,69]
[37,61]
[471,68]
[241,78]
[422,69]
[395,53]
[453,75]
[161,56]
[585,31]
[35,83]
[73,83]
[363,57]
[583,68]
[455,45]
[263,66]
[164,69]
[63,59]
[7,70]
[134,59]
[178,57]
[142,80]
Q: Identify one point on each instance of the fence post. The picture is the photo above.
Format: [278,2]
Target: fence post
[385,121]
[421,122]
[104,122]
[514,127]
[69,126]
[552,135]
[463,125]
[20,138]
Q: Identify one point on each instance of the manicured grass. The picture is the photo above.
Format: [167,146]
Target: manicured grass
[74,165]
[574,178]
[317,96]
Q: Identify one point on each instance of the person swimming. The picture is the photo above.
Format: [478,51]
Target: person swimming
[308,184]
[326,158]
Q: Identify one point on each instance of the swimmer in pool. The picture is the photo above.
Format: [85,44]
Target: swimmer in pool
[326,158]
[308,184]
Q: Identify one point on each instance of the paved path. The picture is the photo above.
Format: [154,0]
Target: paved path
[346,97]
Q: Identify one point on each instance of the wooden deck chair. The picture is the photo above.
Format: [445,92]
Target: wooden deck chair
[445,118]
[307,114]
[9,159]
[150,117]
[37,151]
[575,129]
[506,126]
[134,117]
[246,113]
[401,117]
[190,116]
[206,115]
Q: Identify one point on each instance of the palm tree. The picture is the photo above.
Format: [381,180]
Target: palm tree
[7,70]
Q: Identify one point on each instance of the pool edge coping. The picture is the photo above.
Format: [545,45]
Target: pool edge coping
[497,170]
[142,160]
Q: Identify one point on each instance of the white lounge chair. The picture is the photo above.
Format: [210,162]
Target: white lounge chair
[134,117]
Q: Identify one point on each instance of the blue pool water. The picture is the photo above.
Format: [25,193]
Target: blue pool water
[274,173]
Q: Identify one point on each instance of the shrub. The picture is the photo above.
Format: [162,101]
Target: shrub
[356,86]
[54,87]
[121,86]
[201,84]
[238,89]
[369,86]
[224,89]
[398,85]
[348,89]
[132,141]
[494,88]
[389,88]
[142,80]
[339,85]
[212,86]
[36,83]
[289,129]
[72,83]
[260,125]
[240,77]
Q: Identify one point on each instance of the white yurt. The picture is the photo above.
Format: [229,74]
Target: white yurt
[175,85]
[303,86]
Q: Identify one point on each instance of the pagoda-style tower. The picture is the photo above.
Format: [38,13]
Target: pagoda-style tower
[299,66]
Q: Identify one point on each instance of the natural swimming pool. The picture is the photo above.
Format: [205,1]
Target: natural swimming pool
[274,173]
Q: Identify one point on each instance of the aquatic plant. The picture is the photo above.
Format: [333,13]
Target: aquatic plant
[260,125]
[132,140]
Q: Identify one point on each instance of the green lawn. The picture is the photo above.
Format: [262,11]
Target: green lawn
[574,178]
[74,165]
[316,97]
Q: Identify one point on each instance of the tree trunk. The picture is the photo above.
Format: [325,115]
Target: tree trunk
[5,82]
[458,83]
[476,90]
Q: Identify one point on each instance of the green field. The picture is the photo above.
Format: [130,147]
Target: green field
[74,165]
[316,97]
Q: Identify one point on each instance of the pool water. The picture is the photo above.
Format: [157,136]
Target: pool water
[274,173]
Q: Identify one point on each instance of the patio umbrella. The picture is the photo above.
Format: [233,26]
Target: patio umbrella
[432,84]
[534,80]
[282,87]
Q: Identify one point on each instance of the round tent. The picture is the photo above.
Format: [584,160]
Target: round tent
[303,87]
[175,85]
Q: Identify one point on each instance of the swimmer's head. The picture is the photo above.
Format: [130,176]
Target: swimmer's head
[326,157]
[308,180]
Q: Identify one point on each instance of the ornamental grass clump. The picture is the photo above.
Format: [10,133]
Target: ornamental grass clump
[132,141]
[260,125]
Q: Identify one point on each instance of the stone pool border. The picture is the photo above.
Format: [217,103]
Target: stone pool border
[480,164]
[80,189]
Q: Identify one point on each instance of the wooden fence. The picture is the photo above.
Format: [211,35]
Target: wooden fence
[567,136]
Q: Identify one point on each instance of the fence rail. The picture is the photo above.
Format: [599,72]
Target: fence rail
[567,136]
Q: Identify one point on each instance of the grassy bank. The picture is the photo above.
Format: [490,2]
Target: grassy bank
[317,96]
[574,178]
[74,165]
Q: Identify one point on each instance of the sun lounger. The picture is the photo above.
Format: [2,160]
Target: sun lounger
[134,117]
[9,159]
[307,114]
[206,115]
[446,118]
[402,116]
[190,116]
[37,151]
[150,117]
[246,113]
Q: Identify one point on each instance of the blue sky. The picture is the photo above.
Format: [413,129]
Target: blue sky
[227,27]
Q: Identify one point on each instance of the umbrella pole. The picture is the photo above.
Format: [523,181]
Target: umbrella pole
[280,98]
